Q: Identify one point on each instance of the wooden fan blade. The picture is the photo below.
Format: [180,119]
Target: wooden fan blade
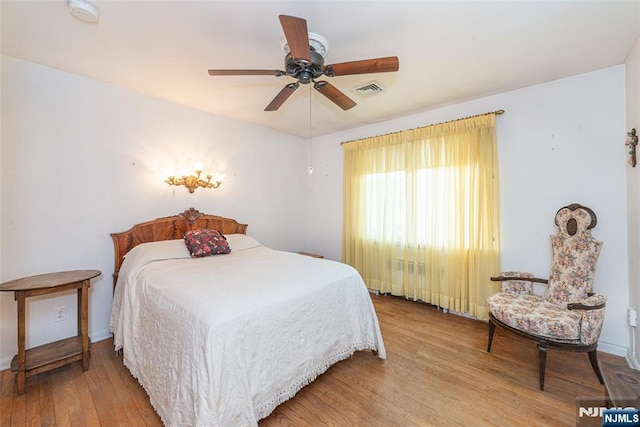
[334,95]
[295,31]
[282,96]
[376,65]
[276,73]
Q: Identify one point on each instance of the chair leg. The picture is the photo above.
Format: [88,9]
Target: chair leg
[492,329]
[593,358]
[542,358]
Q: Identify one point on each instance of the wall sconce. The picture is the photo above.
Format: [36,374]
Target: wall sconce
[632,142]
[194,181]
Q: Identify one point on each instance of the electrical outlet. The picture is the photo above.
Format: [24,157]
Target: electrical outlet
[633,317]
[60,314]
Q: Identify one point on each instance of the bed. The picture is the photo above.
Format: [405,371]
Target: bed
[222,340]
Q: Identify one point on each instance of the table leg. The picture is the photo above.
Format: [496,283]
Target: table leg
[83,322]
[79,304]
[21,375]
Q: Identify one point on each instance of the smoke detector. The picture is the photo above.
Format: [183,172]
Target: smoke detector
[84,11]
[316,42]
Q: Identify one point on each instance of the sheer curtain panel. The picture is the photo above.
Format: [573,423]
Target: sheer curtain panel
[421,213]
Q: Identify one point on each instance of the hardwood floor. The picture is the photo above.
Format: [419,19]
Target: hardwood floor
[437,372]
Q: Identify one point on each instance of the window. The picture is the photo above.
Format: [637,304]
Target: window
[425,198]
[421,213]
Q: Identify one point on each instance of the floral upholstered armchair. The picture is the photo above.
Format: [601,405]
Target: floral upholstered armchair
[569,315]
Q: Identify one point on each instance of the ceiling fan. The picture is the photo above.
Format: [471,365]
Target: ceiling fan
[305,64]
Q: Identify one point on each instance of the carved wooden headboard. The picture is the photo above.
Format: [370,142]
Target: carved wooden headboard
[169,228]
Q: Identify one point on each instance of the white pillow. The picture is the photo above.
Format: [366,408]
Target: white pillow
[240,242]
[165,249]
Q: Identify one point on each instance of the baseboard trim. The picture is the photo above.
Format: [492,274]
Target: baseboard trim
[632,361]
[100,335]
[614,349]
[5,363]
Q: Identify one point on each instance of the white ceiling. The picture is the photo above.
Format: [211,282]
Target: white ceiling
[449,51]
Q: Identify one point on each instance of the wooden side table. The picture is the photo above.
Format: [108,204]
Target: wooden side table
[59,353]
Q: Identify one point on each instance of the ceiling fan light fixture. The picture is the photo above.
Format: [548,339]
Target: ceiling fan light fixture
[317,43]
[84,11]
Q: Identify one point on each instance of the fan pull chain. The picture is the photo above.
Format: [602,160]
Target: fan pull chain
[310,150]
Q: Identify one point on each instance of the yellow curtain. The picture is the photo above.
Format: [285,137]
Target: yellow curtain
[421,213]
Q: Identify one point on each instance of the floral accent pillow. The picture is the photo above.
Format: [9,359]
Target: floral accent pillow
[204,242]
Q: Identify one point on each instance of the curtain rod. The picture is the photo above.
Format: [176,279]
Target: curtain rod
[497,113]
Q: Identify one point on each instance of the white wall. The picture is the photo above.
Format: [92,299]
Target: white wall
[81,159]
[559,143]
[633,196]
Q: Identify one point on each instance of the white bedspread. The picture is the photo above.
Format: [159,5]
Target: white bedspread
[223,340]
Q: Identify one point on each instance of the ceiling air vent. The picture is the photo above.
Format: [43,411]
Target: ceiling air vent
[369,89]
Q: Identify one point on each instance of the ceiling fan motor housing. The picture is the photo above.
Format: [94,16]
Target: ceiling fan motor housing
[302,70]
